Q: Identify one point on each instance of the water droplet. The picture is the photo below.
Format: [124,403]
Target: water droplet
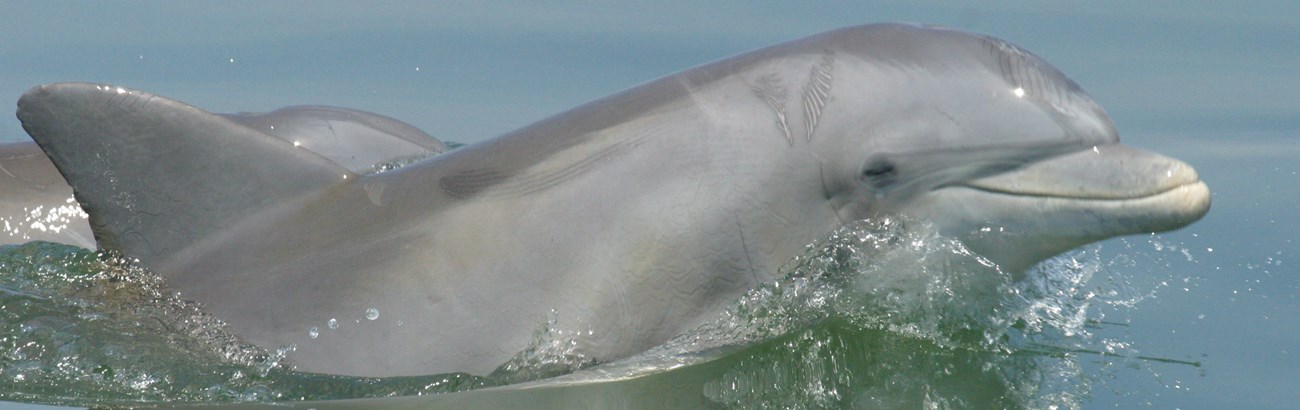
[314,332]
[334,323]
[372,314]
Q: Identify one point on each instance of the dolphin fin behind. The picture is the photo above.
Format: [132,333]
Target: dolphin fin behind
[157,175]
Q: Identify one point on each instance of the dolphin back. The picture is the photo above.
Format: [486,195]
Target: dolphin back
[157,175]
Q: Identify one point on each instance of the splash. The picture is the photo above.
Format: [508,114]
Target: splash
[889,314]
[553,351]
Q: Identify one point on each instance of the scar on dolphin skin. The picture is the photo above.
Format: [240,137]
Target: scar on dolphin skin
[816,92]
[1024,71]
[769,89]
[744,247]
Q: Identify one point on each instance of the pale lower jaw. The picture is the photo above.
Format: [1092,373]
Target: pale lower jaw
[1018,231]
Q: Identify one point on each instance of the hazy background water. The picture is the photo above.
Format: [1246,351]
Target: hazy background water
[1212,83]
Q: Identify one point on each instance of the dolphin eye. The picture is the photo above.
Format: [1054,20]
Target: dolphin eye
[879,172]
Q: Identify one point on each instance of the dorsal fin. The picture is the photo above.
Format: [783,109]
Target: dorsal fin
[157,175]
[355,139]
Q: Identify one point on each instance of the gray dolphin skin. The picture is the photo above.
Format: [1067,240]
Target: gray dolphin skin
[37,204]
[627,220]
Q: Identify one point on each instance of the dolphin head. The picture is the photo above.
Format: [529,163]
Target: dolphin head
[991,145]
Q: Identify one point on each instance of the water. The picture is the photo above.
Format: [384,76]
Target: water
[1200,318]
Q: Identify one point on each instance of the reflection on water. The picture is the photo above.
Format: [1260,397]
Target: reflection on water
[879,314]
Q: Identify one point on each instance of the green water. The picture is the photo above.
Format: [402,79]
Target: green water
[879,314]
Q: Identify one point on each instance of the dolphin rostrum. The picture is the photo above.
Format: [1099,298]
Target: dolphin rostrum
[627,220]
[37,204]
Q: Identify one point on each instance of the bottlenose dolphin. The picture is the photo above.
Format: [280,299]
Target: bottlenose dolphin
[37,204]
[627,220]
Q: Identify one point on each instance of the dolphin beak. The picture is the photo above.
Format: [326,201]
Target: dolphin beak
[1023,216]
[1112,171]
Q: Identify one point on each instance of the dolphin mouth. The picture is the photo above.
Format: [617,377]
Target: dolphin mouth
[1126,188]
[1159,211]
[1111,172]
[1104,197]
[1020,217]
